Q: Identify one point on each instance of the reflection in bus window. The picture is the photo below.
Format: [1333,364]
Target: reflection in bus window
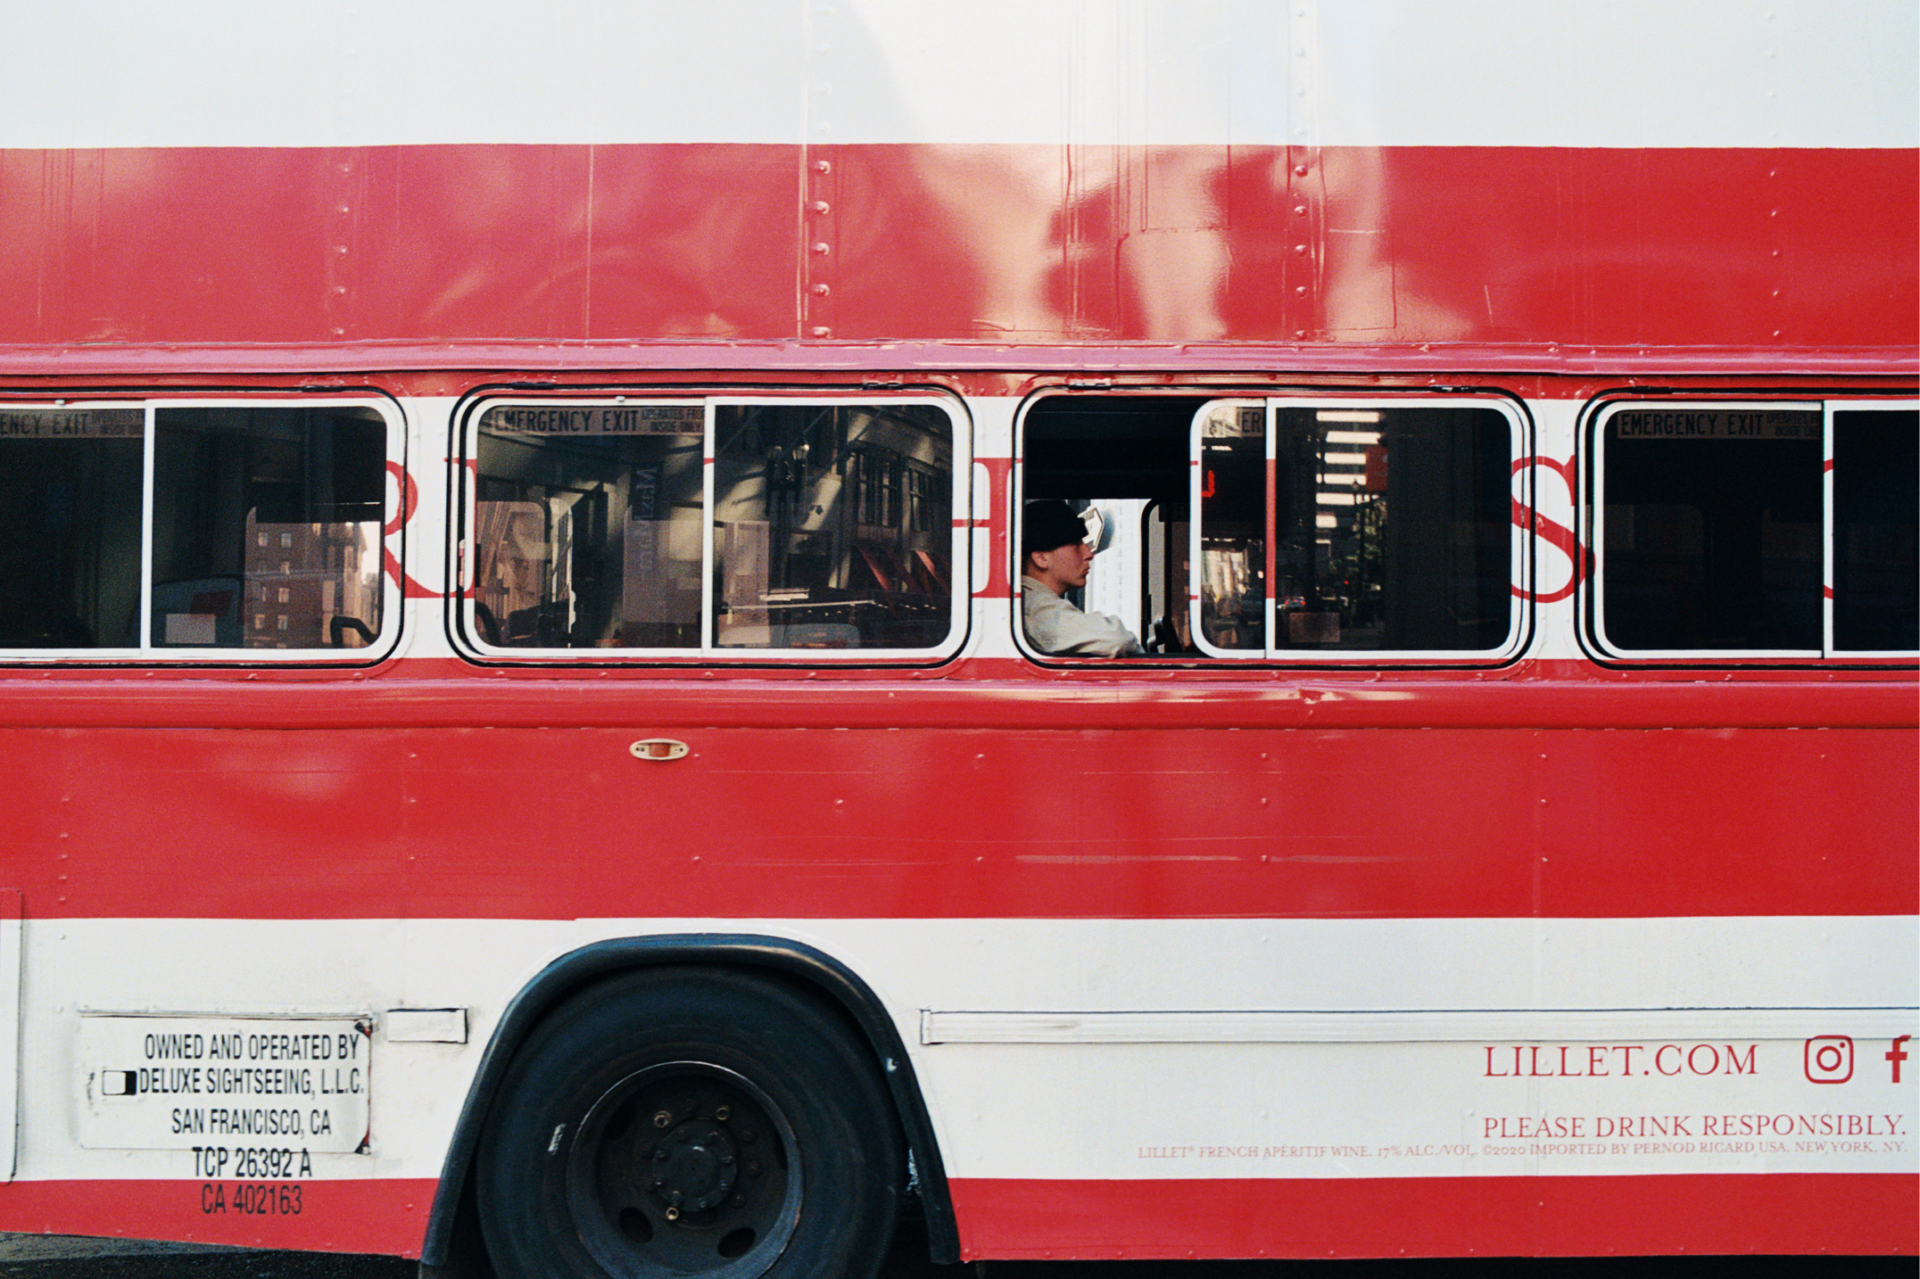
[588,526]
[831,526]
[1233,528]
[1390,528]
[266,526]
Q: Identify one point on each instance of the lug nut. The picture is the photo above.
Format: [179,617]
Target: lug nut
[662,1118]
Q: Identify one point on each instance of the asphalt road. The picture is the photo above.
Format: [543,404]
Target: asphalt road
[58,1257]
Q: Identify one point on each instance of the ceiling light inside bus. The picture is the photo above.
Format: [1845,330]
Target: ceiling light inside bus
[1346,415]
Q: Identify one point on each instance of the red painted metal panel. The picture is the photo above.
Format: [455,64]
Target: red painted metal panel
[532,243]
[1787,250]
[1149,822]
[1843,1214]
[372,1216]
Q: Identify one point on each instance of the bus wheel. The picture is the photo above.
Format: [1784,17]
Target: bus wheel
[690,1122]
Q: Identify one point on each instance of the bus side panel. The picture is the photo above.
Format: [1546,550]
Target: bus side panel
[1150,823]
[1599,246]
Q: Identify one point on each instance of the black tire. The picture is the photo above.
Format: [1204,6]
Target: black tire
[690,1121]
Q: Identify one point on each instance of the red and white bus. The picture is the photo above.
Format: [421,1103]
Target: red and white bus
[520,741]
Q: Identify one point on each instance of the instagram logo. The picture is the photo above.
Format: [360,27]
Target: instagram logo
[1829,1059]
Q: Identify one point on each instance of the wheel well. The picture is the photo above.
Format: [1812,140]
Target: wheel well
[445,1248]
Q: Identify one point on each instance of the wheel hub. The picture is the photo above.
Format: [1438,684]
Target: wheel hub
[684,1170]
[694,1167]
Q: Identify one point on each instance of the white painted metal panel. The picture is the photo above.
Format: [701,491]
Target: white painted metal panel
[103,73]
[10,949]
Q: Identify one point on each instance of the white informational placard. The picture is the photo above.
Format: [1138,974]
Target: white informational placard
[256,1095]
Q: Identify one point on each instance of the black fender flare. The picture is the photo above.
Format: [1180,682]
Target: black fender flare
[794,960]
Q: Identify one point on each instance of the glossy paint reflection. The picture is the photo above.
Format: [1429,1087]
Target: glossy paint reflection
[1508,247]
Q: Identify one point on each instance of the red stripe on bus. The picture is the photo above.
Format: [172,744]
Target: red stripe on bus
[1549,249]
[976,694]
[368,1216]
[1859,1214]
[1021,822]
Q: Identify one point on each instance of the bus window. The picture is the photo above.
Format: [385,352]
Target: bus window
[815,527]
[1350,527]
[1876,530]
[70,497]
[833,526]
[261,525]
[1711,530]
[1716,523]
[587,526]
[266,526]
[1233,528]
[1120,459]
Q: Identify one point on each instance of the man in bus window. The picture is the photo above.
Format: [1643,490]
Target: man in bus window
[1056,556]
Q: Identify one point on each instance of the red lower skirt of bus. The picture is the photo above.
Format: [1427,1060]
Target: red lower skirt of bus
[373,1216]
[1846,1214]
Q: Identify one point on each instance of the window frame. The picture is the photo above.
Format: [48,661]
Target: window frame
[146,652]
[1593,531]
[463,623]
[1520,558]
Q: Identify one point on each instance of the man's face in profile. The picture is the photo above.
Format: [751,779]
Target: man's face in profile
[1066,566]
